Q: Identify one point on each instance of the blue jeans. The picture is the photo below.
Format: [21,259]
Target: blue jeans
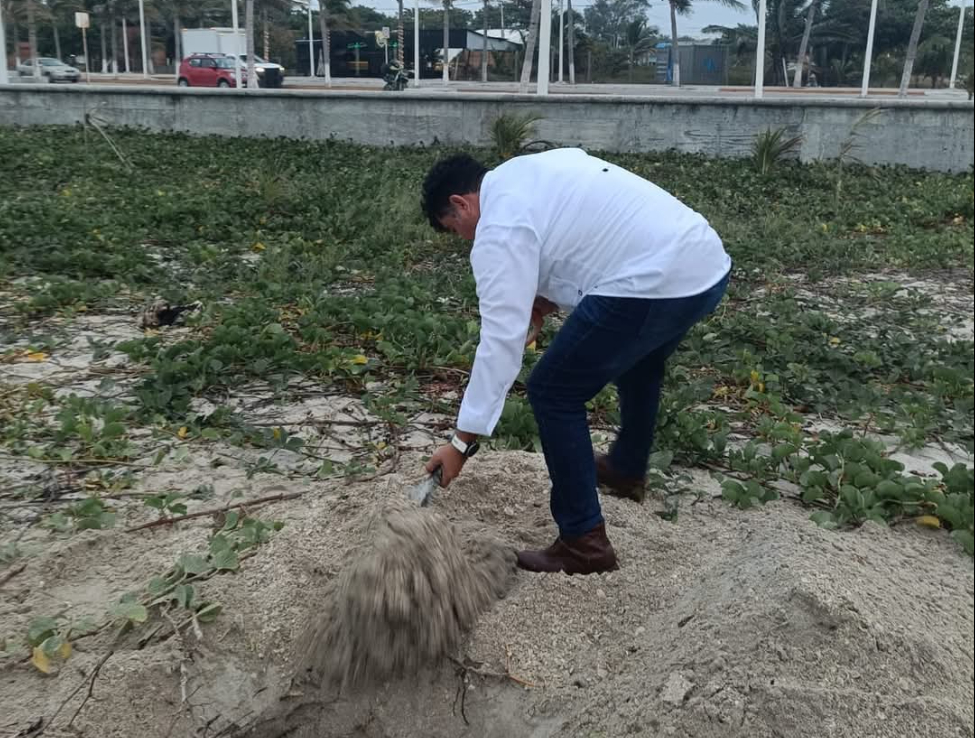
[606,339]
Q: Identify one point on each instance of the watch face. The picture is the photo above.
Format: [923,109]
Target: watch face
[473,448]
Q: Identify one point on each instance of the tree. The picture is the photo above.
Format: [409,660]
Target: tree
[526,67]
[570,23]
[32,38]
[446,41]
[252,81]
[934,57]
[639,38]
[922,10]
[804,44]
[400,36]
[607,20]
[326,47]
[57,11]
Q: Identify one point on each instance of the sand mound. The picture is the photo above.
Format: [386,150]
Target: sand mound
[405,599]
[726,623]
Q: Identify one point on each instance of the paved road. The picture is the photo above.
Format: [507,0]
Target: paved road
[434,86]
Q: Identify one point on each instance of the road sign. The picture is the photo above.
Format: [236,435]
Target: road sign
[81,20]
[387,32]
[380,39]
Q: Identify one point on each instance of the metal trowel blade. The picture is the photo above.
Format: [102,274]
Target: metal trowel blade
[423,492]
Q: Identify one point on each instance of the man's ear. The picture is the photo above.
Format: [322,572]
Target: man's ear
[459,201]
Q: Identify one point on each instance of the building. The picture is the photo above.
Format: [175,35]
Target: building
[700,64]
[359,54]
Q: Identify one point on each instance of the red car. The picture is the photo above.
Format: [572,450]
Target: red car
[209,70]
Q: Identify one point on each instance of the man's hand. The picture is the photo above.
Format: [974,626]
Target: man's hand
[540,310]
[450,460]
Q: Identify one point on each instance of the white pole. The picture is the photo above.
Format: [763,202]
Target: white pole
[4,74]
[545,47]
[125,47]
[961,29]
[416,43]
[868,56]
[84,45]
[142,33]
[327,57]
[760,52]
[561,37]
[235,22]
[311,44]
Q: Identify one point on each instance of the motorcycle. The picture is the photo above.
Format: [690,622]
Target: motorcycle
[395,77]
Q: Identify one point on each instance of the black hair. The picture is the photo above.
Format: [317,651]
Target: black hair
[459,174]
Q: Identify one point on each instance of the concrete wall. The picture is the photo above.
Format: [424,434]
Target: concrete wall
[919,133]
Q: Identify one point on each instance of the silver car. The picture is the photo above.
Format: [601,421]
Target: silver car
[269,74]
[52,70]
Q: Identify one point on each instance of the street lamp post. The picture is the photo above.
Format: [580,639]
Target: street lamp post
[760,53]
[4,74]
[961,31]
[142,33]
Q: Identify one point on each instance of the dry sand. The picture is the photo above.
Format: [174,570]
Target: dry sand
[726,623]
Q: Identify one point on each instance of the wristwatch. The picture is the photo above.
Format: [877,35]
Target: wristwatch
[466,449]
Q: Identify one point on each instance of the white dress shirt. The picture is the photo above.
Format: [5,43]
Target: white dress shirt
[563,225]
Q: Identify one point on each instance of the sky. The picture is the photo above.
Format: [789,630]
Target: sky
[703,13]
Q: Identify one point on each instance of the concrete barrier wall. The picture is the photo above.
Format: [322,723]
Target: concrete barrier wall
[924,134]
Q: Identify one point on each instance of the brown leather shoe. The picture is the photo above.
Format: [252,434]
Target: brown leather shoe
[588,554]
[618,485]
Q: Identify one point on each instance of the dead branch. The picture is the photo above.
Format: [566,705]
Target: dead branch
[216,511]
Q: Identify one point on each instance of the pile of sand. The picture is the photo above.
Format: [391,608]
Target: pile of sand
[406,598]
[726,623]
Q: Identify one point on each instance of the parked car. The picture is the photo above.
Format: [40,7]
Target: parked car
[209,70]
[269,74]
[53,70]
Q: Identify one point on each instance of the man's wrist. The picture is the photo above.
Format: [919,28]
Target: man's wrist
[465,436]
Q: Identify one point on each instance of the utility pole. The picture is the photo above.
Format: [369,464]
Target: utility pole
[145,43]
[4,73]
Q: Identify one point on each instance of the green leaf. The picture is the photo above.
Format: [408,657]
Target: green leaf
[113,430]
[208,612]
[231,521]
[662,460]
[131,611]
[193,564]
[156,586]
[824,520]
[225,560]
[966,539]
[183,594]
[40,630]
[51,646]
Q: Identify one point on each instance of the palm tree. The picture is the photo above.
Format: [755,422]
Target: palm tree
[683,7]
[326,51]
[252,81]
[57,10]
[922,11]
[638,38]
[804,44]
[32,38]
[178,11]
[400,35]
[446,41]
[526,67]
[484,46]
[570,23]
